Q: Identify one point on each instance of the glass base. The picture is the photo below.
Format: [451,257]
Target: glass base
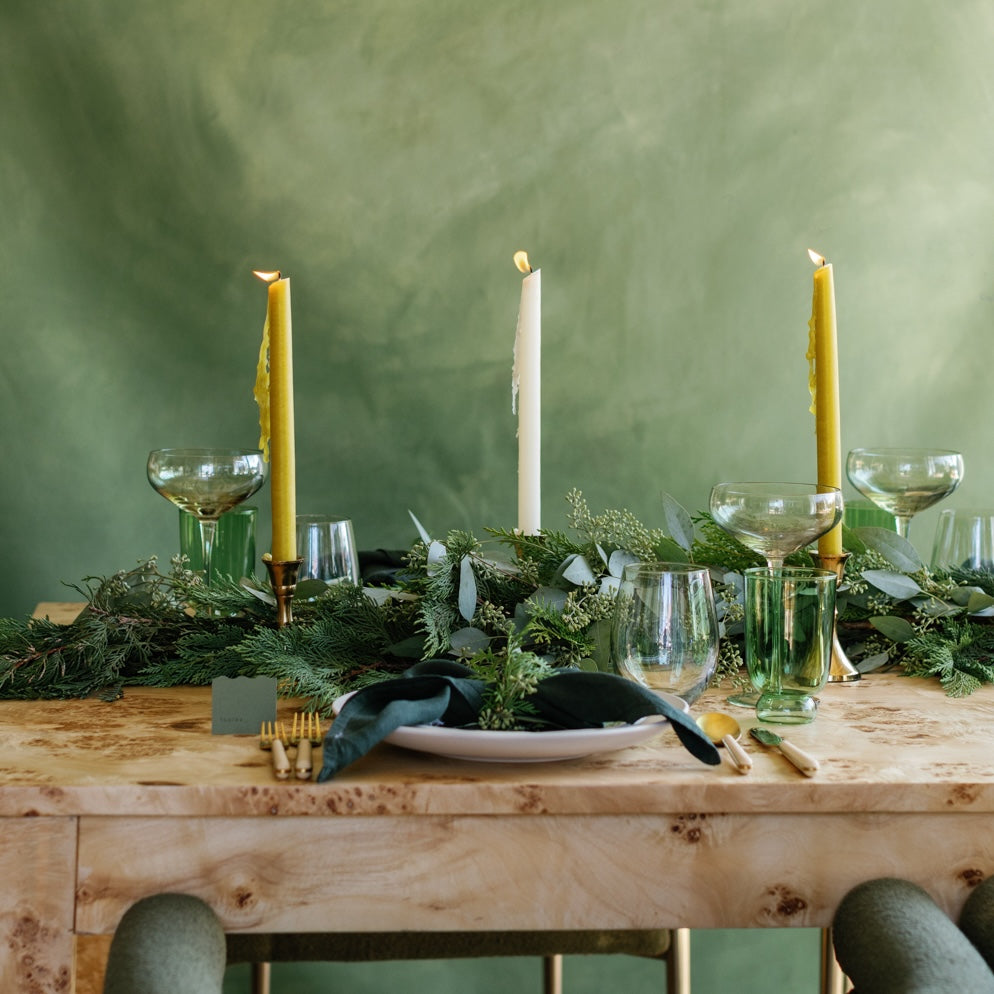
[786,709]
[744,698]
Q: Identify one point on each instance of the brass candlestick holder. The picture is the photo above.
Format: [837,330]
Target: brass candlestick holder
[841,670]
[283,580]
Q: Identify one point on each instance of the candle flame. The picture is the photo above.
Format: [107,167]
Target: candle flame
[818,260]
[267,277]
[521,261]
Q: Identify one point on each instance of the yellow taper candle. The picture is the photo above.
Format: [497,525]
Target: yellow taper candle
[526,397]
[823,381]
[276,415]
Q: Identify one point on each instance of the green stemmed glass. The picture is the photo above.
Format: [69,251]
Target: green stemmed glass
[774,520]
[206,482]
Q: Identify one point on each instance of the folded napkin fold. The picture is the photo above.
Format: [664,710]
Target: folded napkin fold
[450,693]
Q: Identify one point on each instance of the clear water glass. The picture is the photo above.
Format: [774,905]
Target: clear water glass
[665,629]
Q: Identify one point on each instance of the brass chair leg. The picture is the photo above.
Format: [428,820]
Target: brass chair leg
[833,980]
[678,962]
[261,978]
[552,974]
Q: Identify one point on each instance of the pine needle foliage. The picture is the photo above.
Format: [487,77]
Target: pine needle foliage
[528,603]
[959,653]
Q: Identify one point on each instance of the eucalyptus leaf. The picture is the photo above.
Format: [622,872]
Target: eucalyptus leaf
[618,560]
[577,571]
[874,662]
[425,537]
[306,589]
[895,585]
[670,552]
[898,551]
[979,602]
[468,641]
[678,522]
[552,598]
[409,648]
[436,553]
[601,552]
[467,588]
[263,594]
[962,595]
[896,629]
[935,607]
[609,585]
[600,635]
[851,539]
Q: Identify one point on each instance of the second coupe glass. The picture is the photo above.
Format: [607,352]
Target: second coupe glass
[904,481]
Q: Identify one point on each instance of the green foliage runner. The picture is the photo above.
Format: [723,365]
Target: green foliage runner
[514,610]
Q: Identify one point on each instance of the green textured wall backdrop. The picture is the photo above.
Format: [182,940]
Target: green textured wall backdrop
[667,164]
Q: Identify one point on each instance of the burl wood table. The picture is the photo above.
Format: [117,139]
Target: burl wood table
[102,803]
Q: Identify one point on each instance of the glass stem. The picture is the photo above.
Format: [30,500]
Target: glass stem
[208,528]
[901,524]
[774,562]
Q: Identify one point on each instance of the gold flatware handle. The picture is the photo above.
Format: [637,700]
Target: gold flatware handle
[808,765]
[281,765]
[739,757]
[303,765]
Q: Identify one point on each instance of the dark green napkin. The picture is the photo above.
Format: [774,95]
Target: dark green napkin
[440,690]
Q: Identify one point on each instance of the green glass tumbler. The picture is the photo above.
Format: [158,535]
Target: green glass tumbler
[234,543]
[865,514]
[789,621]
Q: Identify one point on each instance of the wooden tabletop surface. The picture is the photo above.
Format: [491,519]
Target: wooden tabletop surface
[887,743]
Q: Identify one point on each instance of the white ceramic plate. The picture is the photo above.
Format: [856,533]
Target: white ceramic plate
[525,747]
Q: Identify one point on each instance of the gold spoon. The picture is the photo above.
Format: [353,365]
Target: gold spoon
[723,729]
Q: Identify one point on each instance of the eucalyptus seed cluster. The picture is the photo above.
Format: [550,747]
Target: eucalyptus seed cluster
[732,608]
[613,528]
[491,618]
[585,606]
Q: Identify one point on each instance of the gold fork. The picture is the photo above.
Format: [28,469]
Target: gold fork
[307,735]
[272,736]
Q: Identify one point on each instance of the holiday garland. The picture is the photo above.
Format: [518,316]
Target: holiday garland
[513,608]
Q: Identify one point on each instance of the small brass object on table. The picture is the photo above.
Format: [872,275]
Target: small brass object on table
[841,670]
[283,580]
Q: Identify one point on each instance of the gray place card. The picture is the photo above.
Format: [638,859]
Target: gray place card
[240,704]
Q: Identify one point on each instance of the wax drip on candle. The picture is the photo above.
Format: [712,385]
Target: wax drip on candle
[261,389]
[810,355]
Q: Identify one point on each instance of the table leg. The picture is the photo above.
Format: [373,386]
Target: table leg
[833,980]
[91,963]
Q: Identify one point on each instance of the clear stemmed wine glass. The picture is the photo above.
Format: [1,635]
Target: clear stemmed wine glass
[904,481]
[774,520]
[206,482]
